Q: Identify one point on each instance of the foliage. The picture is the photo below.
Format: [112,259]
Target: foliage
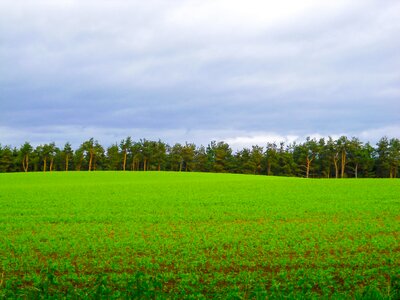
[116,235]
[323,158]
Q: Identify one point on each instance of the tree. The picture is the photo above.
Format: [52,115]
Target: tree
[99,157]
[147,150]
[333,153]
[6,159]
[323,160]
[223,158]
[394,157]
[367,161]
[188,153]
[53,150]
[92,149]
[210,151]
[200,159]
[382,159]
[256,158]
[343,144]
[243,162]
[355,149]
[176,158]
[307,153]
[79,158]
[47,152]
[286,166]
[43,154]
[136,153]
[271,154]
[67,153]
[125,146]
[159,155]
[25,151]
[113,157]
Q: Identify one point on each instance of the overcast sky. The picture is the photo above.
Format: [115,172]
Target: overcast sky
[246,72]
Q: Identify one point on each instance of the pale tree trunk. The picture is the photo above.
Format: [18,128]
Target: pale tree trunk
[343,163]
[124,165]
[66,162]
[23,163]
[308,169]
[44,164]
[51,164]
[145,164]
[309,161]
[356,171]
[90,161]
[335,162]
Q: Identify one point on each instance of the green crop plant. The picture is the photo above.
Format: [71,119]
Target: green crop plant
[170,235]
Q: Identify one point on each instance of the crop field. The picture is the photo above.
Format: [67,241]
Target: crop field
[197,235]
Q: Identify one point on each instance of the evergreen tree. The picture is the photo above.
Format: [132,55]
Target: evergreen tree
[6,159]
[25,152]
[114,157]
[67,155]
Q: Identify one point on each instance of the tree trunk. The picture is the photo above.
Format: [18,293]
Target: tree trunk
[23,163]
[180,166]
[44,164]
[268,168]
[159,167]
[124,165]
[308,168]
[90,161]
[51,164]
[309,161]
[335,162]
[145,164]
[66,162]
[343,162]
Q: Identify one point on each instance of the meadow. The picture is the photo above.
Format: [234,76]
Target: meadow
[197,235]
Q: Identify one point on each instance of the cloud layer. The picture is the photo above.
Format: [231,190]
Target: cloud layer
[198,70]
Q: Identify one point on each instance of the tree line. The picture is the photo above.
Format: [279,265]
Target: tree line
[315,158]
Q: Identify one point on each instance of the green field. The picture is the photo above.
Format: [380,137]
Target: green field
[197,235]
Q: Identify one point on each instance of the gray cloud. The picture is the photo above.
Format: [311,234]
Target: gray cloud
[198,70]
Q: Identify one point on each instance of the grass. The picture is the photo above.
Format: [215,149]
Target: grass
[197,235]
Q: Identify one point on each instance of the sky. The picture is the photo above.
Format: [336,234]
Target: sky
[245,72]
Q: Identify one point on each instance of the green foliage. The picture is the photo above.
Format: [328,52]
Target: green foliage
[341,158]
[141,235]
